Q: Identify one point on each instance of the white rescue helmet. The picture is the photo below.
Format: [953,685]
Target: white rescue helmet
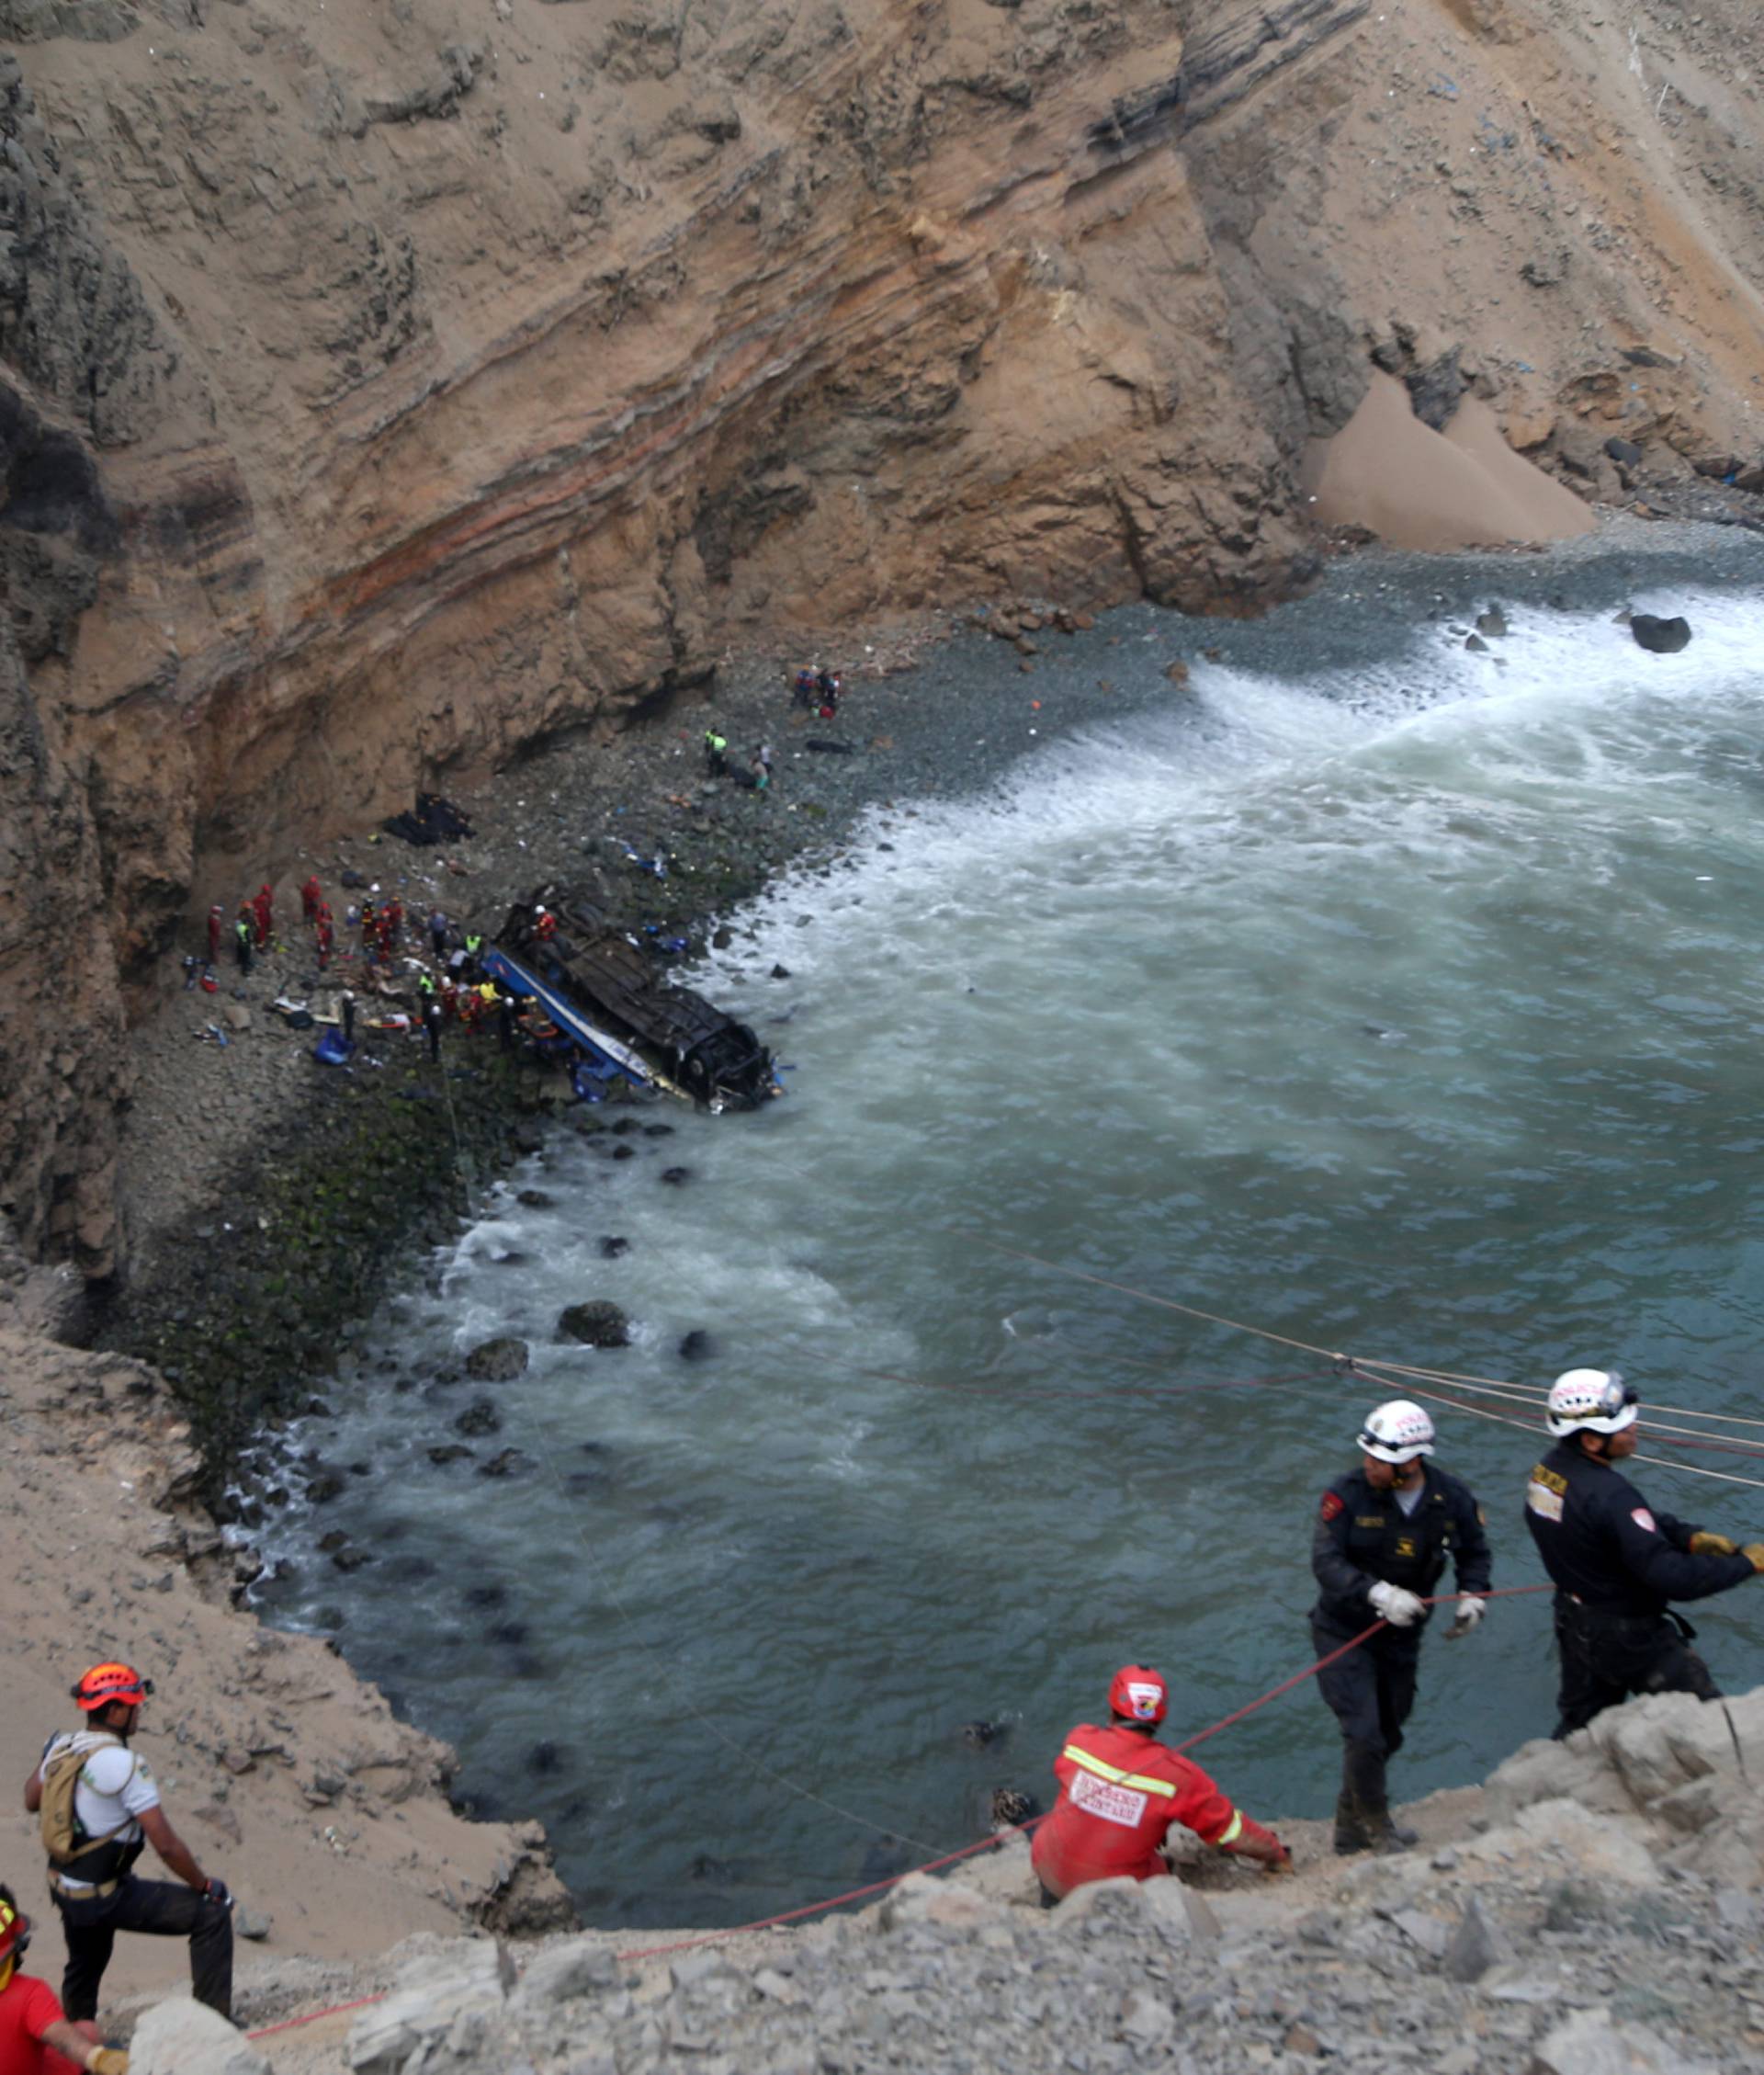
[1397,1432]
[1590,1401]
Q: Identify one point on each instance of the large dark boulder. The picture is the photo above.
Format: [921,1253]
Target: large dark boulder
[497,1361]
[596,1325]
[1660,637]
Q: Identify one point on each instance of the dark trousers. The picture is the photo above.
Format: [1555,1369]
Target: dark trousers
[1607,1655]
[1372,1689]
[162,1909]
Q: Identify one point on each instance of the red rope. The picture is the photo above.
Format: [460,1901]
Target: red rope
[966,1850]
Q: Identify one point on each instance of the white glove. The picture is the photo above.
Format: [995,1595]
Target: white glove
[1470,1611]
[1400,1608]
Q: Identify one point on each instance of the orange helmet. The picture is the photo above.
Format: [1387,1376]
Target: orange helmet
[105,1682]
[1138,1695]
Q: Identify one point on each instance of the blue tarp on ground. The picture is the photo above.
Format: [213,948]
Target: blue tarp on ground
[333,1049]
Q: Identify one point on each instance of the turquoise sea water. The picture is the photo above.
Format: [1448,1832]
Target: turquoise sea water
[1414,1013]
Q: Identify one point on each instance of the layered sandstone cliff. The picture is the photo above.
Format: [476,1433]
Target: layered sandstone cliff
[384,386]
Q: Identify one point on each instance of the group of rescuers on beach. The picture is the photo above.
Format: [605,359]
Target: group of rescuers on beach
[1384,1536]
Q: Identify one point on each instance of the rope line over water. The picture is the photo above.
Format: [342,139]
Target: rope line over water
[1387,1375]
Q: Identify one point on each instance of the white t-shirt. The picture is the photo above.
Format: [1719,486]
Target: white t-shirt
[115,1787]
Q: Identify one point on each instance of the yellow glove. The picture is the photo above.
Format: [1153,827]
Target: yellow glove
[1702,1543]
[107,2061]
[1755,1552]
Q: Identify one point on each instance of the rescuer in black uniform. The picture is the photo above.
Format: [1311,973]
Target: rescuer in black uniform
[1384,1533]
[1614,1561]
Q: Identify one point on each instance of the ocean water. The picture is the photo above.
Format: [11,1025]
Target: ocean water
[1412,1011]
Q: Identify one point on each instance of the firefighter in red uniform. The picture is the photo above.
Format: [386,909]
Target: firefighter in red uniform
[263,908]
[327,934]
[311,899]
[216,923]
[1120,1790]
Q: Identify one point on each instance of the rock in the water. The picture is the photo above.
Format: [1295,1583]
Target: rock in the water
[504,1463]
[1660,637]
[182,2038]
[480,1417]
[497,1361]
[596,1324]
[697,1347]
[535,1199]
[676,1177]
[449,1451]
[1492,622]
[612,1245]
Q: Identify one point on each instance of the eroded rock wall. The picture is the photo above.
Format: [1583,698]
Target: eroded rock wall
[384,387]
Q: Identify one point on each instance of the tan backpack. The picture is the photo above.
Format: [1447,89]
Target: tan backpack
[63,1838]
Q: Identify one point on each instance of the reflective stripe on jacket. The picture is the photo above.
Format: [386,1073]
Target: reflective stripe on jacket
[1119,1793]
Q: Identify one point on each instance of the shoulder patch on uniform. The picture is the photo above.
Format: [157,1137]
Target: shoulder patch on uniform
[1334,1505]
[1644,1520]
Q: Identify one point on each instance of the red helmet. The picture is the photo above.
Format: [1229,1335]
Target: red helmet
[15,1928]
[105,1682]
[1138,1695]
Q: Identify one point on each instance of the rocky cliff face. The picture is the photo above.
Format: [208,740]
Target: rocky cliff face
[383,389]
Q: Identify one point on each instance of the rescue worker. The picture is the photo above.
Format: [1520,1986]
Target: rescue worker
[263,908]
[116,1814]
[216,923]
[393,915]
[716,752]
[1614,1561]
[327,936]
[438,927]
[432,1018]
[1384,1533]
[1119,1791]
[311,897]
[544,924]
[242,932]
[35,2037]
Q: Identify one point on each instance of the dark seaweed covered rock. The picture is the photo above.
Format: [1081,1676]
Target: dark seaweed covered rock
[596,1324]
[497,1361]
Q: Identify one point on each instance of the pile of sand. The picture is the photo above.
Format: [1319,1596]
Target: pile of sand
[1417,488]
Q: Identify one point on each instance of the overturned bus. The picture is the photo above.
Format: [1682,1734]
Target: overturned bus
[627,1020]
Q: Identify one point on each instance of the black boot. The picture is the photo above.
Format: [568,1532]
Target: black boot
[1351,1832]
[1363,1773]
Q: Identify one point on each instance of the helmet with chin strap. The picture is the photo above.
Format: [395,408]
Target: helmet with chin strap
[1590,1401]
[105,1682]
[1397,1432]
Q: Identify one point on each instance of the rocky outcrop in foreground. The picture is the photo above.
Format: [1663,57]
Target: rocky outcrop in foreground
[1597,1913]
